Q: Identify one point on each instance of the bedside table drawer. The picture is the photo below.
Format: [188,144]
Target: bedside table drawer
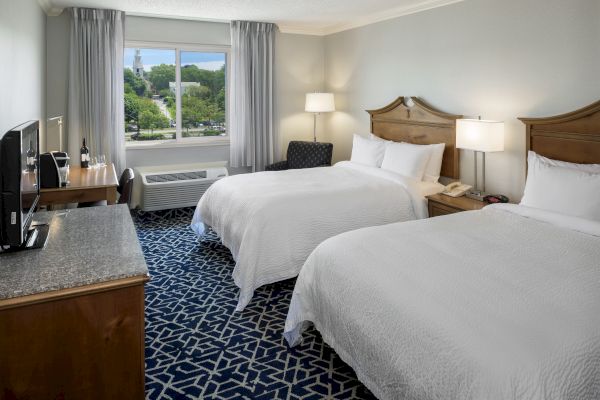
[437,209]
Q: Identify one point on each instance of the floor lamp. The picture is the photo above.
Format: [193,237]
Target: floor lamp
[482,137]
[318,103]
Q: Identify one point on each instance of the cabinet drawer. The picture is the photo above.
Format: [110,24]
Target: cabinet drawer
[437,209]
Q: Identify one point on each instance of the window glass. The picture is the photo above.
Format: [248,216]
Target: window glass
[149,104]
[150,90]
[202,94]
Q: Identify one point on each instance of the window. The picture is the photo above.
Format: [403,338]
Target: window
[174,95]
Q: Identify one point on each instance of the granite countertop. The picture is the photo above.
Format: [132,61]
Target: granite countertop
[85,246]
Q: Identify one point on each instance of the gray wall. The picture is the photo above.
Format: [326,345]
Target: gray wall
[498,59]
[23,66]
[57,62]
[299,63]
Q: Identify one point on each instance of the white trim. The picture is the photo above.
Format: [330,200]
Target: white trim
[302,30]
[178,94]
[169,144]
[49,9]
[183,17]
[217,48]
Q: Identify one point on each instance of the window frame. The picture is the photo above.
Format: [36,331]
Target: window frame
[179,140]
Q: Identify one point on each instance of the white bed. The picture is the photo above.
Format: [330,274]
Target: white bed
[502,303]
[271,221]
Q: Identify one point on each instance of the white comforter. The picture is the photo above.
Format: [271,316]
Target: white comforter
[502,303]
[271,221]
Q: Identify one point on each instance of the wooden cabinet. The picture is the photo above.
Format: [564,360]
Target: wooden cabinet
[72,314]
[81,343]
[440,204]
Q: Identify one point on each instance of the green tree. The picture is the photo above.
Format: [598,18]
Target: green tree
[135,83]
[151,120]
[200,92]
[220,100]
[164,93]
[161,75]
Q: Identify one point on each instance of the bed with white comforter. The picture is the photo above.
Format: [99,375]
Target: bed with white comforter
[427,310]
[272,221]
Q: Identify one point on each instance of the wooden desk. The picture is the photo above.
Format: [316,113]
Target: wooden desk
[72,314]
[85,185]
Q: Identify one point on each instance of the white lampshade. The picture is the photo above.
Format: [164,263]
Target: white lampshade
[480,135]
[319,102]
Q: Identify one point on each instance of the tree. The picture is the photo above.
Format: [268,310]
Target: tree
[132,107]
[200,92]
[151,120]
[161,75]
[164,93]
[134,82]
[220,100]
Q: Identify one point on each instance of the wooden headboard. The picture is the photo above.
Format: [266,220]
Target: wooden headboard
[573,137]
[411,120]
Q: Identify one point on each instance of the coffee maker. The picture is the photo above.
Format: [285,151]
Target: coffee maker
[54,169]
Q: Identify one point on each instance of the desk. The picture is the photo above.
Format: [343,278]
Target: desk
[72,314]
[85,185]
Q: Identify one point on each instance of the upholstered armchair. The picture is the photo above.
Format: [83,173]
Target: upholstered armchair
[304,155]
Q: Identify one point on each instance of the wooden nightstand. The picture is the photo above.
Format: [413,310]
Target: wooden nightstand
[440,204]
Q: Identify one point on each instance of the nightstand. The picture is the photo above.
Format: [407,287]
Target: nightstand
[440,204]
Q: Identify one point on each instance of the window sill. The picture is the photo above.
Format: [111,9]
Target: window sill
[168,144]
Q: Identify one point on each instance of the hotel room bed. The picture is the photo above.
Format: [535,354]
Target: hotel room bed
[271,221]
[501,303]
[466,306]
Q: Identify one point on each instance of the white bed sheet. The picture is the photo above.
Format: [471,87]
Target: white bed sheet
[271,221]
[502,303]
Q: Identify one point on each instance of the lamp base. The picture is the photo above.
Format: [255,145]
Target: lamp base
[476,194]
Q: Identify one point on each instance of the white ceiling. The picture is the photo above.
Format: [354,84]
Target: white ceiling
[318,17]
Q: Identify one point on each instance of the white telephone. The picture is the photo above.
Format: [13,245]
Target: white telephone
[456,189]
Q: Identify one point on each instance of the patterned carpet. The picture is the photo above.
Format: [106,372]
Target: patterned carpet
[198,348]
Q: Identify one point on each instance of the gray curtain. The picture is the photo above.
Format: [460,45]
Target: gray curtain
[251,115]
[95,96]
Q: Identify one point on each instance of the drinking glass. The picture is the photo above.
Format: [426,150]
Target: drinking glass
[101,160]
[93,162]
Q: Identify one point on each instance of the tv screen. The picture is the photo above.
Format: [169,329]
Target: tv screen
[19,181]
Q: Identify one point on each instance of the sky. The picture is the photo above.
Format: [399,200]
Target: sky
[151,57]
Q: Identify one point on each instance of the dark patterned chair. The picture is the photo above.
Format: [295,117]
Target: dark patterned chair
[304,155]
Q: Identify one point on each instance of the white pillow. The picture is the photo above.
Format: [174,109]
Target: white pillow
[593,168]
[367,152]
[406,159]
[562,189]
[434,165]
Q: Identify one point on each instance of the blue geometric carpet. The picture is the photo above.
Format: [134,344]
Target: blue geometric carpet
[198,348]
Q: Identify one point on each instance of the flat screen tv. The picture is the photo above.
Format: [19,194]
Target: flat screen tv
[19,181]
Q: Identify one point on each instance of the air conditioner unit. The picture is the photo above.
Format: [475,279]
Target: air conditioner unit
[173,187]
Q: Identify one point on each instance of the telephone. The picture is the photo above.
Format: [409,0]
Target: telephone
[456,189]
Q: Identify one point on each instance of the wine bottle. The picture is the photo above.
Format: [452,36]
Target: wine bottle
[31,157]
[85,155]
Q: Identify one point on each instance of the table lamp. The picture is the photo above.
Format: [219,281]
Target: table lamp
[481,136]
[317,103]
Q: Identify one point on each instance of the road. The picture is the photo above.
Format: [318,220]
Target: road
[163,107]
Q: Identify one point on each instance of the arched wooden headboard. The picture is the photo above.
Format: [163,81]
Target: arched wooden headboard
[411,120]
[572,137]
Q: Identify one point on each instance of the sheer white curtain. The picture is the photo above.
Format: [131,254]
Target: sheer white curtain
[251,115]
[95,96]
